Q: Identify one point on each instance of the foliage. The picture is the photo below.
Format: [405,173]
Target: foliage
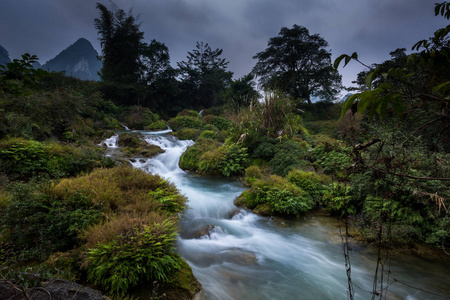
[135,144]
[339,200]
[38,223]
[332,159]
[252,174]
[75,111]
[298,64]
[287,156]
[132,69]
[181,121]
[188,134]
[241,92]
[234,162]
[23,159]
[312,183]
[275,195]
[123,189]
[190,159]
[272,118]
[204,76]
[220,123]
[144,252]
[140,118]
[19,77]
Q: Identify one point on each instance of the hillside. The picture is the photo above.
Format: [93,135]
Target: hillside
[4,56]
[78,60]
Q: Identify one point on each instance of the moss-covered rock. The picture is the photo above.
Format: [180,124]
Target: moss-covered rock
[134,144]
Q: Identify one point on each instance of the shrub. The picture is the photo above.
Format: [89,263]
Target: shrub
[333,159]
[339,200]
[208,134]
[135,144]
[234,162]
[121,188]
[275,195]
[187,134]
[288,155]
[157,125]
[189,121]
[209,162]
[252,174]
[311,182]
[22,159]
[190,159]
[140,117]
[136,252]
[220,123]
[38,223]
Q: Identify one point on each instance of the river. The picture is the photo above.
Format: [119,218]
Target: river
[236,254]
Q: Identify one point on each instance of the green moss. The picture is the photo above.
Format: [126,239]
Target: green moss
[188,121]
[275,195]
[190,159]
[187,134]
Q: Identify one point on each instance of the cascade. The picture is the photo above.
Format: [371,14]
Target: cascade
[112,142]
[236,254]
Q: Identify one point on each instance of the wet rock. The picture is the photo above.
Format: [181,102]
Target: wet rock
[54,289]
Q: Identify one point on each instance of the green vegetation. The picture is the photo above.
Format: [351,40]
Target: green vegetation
[380,160]
[298,64]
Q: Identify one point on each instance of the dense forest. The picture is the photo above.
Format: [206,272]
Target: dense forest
[378,160]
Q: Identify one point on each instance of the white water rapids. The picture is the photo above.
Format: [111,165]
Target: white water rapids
[236,254]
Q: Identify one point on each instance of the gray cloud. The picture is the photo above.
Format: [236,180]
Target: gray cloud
[240,27]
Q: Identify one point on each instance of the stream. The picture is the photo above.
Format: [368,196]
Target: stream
[236,254]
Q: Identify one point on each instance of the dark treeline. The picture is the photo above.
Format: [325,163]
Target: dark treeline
[137,73]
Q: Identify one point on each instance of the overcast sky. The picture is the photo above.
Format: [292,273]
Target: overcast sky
[242,28]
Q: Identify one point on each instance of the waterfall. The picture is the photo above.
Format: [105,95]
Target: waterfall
[126,128]
[112,142]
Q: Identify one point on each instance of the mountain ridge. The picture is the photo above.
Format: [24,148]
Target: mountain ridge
[79,60]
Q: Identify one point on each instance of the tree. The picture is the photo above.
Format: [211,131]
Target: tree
[204,76]
[403,161]
[241,92]
[122,45]
[132,69]
[298,64]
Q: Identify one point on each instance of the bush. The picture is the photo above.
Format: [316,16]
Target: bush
[220,123]
[275,195]
[140,251]
[311,182]
[208,134]
[190,159]
[122,189]
[187,134]
[134,144]
[189,121]
[22,159]
[209,162]
[288,155]
[37,223]
[339,200]
[252,174]
[332,159]
[141,117]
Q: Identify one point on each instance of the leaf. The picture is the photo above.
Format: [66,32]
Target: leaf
[382,108]
[348,103]
[440,86]
[369,79]
[397,103]
[364,102]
